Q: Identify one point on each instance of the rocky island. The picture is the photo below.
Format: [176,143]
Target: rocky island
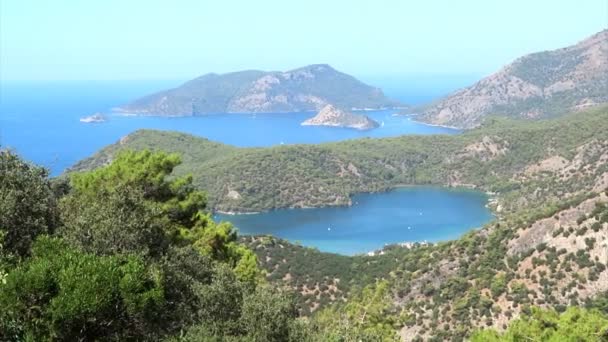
[309,88]
[332,116]
[97,117]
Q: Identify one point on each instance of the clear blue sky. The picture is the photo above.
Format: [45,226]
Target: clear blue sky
[180,39]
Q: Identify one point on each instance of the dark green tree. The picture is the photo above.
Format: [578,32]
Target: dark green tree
[27,204]
[63,294]
[133,205]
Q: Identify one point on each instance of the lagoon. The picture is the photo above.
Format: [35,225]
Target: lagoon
[409,214]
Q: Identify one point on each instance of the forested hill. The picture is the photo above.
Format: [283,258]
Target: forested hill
[539,85]
[510,157]
[309,88]
[127,252]
[556,260]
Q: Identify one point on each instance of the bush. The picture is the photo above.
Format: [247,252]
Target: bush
[27,204]
[80,296]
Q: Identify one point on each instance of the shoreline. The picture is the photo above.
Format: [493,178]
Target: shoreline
[491,204]
[233,213]
[438,125]
[124,112]
[413,115]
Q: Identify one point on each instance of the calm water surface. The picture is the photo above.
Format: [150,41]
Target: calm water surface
[404,215]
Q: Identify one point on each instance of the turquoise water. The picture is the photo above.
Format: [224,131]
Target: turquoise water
[41,122]
[412,214]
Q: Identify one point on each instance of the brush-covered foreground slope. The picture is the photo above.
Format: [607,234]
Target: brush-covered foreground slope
[525,163]
[305,89]
[485,279]
[549,256]
[538,85]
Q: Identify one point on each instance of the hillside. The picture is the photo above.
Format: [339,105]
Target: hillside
[482,280]
[309,88]
[507,157]
[547,248]
[539,85]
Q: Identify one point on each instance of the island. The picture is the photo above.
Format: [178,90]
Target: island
[335,117]
[97,117]
[308,88]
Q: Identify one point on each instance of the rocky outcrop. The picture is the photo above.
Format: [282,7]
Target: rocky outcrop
[304,89]
[539,85]
[332,116]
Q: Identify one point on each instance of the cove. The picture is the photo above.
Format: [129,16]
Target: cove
[408,214]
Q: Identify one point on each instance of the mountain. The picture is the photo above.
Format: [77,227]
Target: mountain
[332,116]
[309,88]
[539,85]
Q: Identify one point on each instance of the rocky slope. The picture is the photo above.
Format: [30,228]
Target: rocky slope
[309,88]
[332,116]
[485,279]
[538,85]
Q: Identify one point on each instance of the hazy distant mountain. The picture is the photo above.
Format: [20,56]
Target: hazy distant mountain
[538,85]
[308,88]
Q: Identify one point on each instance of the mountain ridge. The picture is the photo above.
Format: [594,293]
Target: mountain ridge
[537,85]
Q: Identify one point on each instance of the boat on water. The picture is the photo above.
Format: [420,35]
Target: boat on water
[97,117]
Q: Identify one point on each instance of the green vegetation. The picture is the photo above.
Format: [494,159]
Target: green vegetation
[494,158]
[548,325]
[128,253]
[27,204]
[132,255]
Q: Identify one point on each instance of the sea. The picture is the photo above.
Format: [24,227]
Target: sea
[40,120]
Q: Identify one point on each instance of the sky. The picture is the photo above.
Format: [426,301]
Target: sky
[181,39]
